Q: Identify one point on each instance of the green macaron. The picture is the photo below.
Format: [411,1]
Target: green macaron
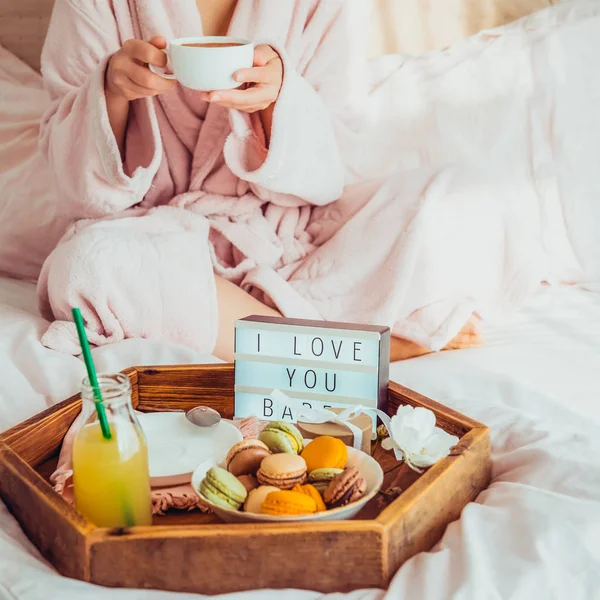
[282,437]
[320,478]
[223,489]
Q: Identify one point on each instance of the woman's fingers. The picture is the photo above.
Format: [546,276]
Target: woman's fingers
[255,75]
[159,42]
[135,90]
[147,79]
[268,68]
[251,98]
[145,52]
[128,74]
[263,54]
[246,109]
[264,83]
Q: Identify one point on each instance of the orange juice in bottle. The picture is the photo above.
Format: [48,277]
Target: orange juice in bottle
[110,476]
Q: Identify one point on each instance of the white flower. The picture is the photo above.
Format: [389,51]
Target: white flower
[414,434]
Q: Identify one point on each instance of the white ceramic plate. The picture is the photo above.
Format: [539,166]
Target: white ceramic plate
[369,468]
[176,447]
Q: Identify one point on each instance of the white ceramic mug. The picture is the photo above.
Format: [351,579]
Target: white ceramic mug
[205,68]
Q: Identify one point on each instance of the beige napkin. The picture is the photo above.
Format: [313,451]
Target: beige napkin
[181,497]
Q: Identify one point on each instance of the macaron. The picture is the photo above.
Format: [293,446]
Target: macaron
[283,437]
[320,478]
[345,488]
[325,452]
[282,470]
[310,490]
[223,489]
[244,458]
[256,497]
[249,482]
[283,503]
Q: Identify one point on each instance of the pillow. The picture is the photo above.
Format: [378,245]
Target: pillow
[29,225]
[23,28]
[415,26]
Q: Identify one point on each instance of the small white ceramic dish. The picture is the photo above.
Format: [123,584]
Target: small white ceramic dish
[176,447]
[369,468]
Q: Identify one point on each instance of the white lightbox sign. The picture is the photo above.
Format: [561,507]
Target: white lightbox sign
[322,364]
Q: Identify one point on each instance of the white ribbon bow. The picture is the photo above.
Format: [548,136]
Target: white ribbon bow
[321,415]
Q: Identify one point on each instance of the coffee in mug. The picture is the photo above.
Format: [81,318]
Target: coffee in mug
[214,45]
[207,64]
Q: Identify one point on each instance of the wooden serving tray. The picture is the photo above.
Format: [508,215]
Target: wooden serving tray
[194,552]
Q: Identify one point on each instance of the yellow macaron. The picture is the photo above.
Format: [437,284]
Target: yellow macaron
[311,490]
[287,502]
[325,452]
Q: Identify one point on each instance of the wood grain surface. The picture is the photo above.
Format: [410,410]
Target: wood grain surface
[215,559]
[183,387]
[53,525]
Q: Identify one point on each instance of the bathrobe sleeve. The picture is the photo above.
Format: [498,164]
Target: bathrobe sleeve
[317,114]
[76,136]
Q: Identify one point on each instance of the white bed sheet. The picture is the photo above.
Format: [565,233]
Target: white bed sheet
[545,360]
[533,533]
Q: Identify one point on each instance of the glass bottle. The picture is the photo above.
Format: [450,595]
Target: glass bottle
[110,476]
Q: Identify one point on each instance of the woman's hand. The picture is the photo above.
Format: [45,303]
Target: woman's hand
[127,74]
[263,82]
[128,78]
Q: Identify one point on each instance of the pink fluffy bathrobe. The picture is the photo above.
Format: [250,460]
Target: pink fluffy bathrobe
[306,225]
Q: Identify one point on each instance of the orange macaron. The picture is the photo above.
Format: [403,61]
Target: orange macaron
[325,452]
[287,502]
[310,490]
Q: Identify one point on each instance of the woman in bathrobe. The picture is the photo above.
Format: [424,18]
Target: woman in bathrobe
[192,210]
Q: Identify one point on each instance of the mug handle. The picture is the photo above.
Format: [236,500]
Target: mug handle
[162,72]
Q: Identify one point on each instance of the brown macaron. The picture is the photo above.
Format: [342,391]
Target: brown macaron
[282,470]
[244,458]
[249,482]
[345,488]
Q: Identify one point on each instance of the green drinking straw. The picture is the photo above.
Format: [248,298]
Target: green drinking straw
[99,403]
[91,371]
